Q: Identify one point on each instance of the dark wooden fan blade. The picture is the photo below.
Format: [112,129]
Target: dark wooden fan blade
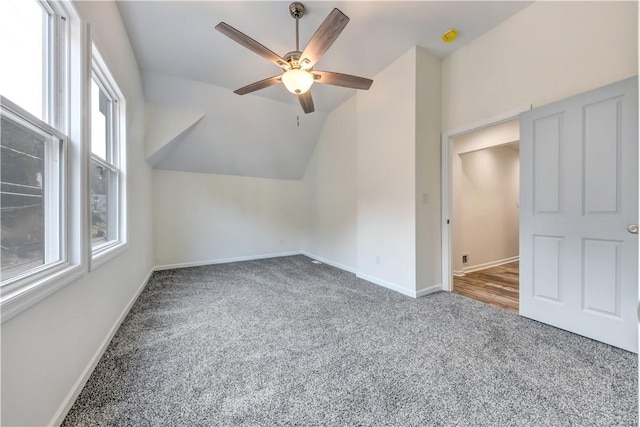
[323,38]
[344,80]
[251,44]
[306,101]
[259,85]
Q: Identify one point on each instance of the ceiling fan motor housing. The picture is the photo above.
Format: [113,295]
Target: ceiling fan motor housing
[293,58]
[296,9]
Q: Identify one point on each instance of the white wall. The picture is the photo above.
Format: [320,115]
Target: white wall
[330,191]
[547,52]
[46,348]
[377,155]
[427,160]
[485,210]
[200,218]
[386,176]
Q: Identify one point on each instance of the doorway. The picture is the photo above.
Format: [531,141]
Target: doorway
[481,212]
[578,214]
[485,217]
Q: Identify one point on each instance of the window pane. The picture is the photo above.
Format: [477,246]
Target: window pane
[22,199]
[101,193]
[100,121]
[21,44]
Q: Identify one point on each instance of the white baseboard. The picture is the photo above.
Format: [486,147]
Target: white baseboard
[426,291]
[458,273]
[224,260]
[486,265]
[375,280]
[329,262]
[385,284]
[77,387]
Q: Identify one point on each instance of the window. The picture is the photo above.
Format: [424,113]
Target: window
[107,148]
[32,146]
[43,172]
[62,153]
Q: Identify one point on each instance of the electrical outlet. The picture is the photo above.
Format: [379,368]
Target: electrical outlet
[465,259]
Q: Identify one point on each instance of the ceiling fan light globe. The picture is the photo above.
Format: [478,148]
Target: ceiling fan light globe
[297,81]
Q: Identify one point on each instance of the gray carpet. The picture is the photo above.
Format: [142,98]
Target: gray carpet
[287,342]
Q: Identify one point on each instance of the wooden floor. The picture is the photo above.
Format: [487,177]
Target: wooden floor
[497,286]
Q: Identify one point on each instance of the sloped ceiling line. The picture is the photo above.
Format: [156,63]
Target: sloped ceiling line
[165,128]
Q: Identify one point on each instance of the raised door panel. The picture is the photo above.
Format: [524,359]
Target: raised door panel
[601,262]
[547,148]
[601,158]
[547,254]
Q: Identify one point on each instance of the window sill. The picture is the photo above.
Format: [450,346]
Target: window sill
[107,254]
[16,302]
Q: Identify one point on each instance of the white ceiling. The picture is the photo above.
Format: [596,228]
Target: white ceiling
[178,39]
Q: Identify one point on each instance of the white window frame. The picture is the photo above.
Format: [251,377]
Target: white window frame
[64,85]
[115,162]
[55,166]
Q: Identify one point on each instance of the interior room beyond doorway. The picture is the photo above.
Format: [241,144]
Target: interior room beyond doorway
[485,214]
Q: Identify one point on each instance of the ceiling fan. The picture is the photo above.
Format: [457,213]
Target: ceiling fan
[297,67]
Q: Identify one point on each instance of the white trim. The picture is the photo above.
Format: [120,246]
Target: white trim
[488,122]
[69,400]
[447,283]
[374,280]
[489,264]
[457,273]
[28,296]
[224,260]
[106,255]
[385,284]
[430,290]
[329,262]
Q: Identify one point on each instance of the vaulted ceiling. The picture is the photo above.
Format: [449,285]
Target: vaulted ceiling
[189,70]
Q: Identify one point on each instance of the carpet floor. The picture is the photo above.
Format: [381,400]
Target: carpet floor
[284,341]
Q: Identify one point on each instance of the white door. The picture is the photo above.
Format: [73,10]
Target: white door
[579,195]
